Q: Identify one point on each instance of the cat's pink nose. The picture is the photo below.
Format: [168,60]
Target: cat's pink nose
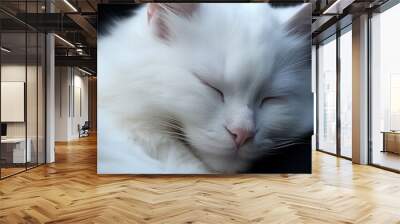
[240,135]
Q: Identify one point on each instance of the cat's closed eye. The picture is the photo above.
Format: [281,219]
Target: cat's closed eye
[220,93]
[271,99]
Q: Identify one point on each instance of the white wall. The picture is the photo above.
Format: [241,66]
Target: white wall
[71,94]
[79,110]
[12,73]
[33,126]
[62,82]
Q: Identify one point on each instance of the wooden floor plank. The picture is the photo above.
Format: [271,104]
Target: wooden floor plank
[70,191]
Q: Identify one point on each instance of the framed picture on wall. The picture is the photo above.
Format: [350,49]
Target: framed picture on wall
[12,101]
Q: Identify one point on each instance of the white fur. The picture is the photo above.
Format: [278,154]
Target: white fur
[144,80]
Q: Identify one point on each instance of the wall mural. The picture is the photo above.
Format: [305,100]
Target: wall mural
[204,88]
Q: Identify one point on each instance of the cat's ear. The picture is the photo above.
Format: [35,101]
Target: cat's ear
[300,23]
[157,15]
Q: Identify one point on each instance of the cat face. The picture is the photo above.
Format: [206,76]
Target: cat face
[241,80]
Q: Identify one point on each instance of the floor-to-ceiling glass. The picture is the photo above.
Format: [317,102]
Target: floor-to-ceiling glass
[385,88]
[327,95]
[15,149]
[41,108]
[346,92]
[41,88]
[32,96]
[22,88]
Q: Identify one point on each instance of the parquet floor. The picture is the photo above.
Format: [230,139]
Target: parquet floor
[10,171]
[70,191]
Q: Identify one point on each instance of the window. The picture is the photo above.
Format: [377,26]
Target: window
[346,93]
[327,96]
[385,88]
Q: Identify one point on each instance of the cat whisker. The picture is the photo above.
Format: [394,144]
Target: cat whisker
[294,71]
[174,133]
[287,145]
[283,143]
[170,125]
[288,139]
[283,62]
[299,62]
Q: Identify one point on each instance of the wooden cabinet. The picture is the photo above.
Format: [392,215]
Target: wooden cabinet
[391,142]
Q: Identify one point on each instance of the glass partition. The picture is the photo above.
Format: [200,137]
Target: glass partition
[31,100]
[41,107]
[32,103]
[22,89]
[14,153]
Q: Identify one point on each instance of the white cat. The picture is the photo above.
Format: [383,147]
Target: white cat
[202,88]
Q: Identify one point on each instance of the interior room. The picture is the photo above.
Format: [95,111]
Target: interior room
[22,99]
[49,99]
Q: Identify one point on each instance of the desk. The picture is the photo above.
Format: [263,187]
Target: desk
[13,150]
[391,141]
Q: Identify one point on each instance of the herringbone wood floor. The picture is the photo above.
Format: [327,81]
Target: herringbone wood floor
[70,191]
